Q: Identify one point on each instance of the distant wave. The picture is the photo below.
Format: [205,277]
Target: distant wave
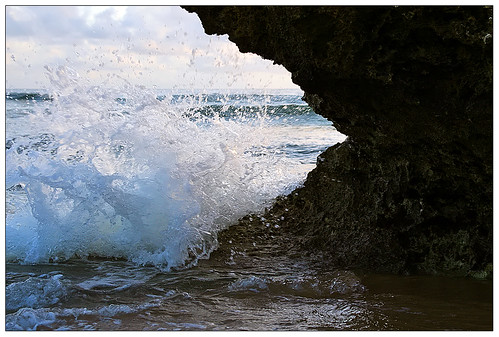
[236,99]
[211,99]
[28,96]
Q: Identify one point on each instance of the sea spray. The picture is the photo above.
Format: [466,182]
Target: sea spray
[122,174]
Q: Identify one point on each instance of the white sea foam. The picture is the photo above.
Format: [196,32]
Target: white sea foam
[30,319]
[329,284]
[139,179]
[35,292]
[251,283]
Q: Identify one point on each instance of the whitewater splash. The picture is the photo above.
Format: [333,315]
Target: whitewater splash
[123,174]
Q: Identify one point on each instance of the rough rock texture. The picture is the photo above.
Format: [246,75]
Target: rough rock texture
[410,190]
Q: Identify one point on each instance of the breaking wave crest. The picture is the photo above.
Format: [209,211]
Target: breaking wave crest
[140,178]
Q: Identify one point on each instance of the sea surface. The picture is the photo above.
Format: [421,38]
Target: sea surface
[115,198]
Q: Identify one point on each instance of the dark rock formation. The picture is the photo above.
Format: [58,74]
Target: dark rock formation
[410,190]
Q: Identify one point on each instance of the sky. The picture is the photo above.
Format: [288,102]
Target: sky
[162,47]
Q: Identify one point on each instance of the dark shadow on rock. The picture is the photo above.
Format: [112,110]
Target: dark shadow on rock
[410,190]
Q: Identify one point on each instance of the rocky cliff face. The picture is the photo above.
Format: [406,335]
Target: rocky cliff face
[410,190]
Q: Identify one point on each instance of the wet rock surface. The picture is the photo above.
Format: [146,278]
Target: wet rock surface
[410,190]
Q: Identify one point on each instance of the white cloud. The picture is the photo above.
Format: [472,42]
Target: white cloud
[156,46]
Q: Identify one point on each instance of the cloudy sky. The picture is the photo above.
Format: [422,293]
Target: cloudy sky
[162,47]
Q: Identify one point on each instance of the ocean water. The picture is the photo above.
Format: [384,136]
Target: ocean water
[115,198]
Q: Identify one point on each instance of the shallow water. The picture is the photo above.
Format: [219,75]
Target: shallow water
[248,293]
